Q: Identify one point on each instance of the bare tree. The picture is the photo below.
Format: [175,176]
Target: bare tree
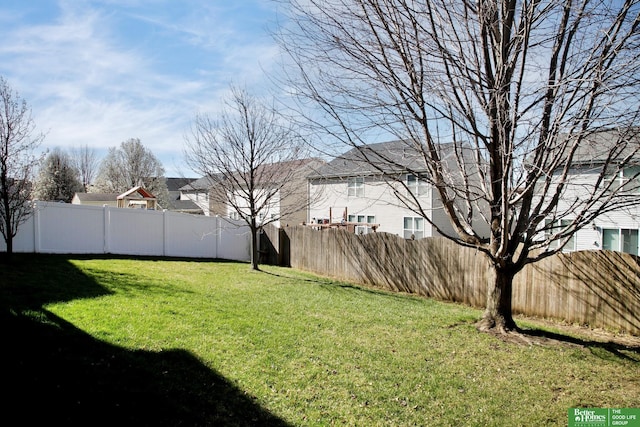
[255,159]
[57,179]
[85,160]
[18,143]
[525,91]
[131,165]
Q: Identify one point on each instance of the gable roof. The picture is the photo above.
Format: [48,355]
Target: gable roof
[596,148]
[174,184]
[266,173]
[203,183]
[141,191]
[372,159]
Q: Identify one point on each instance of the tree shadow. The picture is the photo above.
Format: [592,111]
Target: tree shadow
[52,371]
[628,351]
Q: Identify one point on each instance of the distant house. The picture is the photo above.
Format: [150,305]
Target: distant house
[96,199]
[196,193]
[363,188]
[619,229]
[138,198]
[176,203]
[288,206]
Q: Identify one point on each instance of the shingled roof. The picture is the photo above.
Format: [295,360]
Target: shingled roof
[373,159]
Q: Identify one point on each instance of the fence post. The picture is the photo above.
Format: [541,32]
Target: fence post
[105,229]
[36,227]
[164,233]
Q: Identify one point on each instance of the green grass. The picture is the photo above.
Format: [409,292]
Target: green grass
[104,341]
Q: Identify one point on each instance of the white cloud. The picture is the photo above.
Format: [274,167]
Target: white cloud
[90,79]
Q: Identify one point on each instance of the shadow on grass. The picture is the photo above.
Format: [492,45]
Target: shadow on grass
[605,349]
[52,371]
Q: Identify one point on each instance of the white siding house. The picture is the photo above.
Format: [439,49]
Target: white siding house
[616,229]
[375,192]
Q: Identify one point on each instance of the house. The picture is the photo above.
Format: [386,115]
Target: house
[175,201]
[196,192]
[285,182]
[95,199]
[138,198]
[617,229]
[375,187]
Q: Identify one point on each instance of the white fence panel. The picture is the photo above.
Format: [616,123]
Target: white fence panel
[135,232]
[234,240]
[24,240]
[191,236]
[65,228]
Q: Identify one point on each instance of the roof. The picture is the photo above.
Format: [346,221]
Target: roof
[96,197]
[275,172]
[139,190]
[184,206]
[174,184]
[372,159]
[203,183]
[597,147]
[270,172]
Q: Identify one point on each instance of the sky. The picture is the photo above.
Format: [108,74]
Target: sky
[99,72]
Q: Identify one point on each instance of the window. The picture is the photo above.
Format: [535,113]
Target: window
[552,227]
[363,219]
[413,227]
[416,186]
[628,178]
[620,239]
[355,187]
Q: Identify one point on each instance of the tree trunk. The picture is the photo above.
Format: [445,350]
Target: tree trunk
[254,246]
[497,315]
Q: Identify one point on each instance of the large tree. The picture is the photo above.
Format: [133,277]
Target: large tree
[18,161]
[57,179]
[131,165]
[254,158]
[85,160]
[521,88]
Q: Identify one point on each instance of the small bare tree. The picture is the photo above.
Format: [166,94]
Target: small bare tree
[85,160]
[18,162]
[526,91]
[255,159]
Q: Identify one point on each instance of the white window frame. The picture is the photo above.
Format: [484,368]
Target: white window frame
[622,178]
[416,228]
[551,227]
[415,185]
[355,186]
[621,233]
[363,219]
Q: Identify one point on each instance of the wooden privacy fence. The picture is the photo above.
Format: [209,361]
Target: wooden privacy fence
[594,288]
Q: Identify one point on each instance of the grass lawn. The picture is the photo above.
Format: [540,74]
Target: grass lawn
[116,341]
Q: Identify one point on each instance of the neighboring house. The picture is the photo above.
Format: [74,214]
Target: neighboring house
[197,193]
[362,188]
[138,198]
[96,199]
[176,202]
[287,207]
[616,230]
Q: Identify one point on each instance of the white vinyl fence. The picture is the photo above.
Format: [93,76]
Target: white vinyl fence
[77,229]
